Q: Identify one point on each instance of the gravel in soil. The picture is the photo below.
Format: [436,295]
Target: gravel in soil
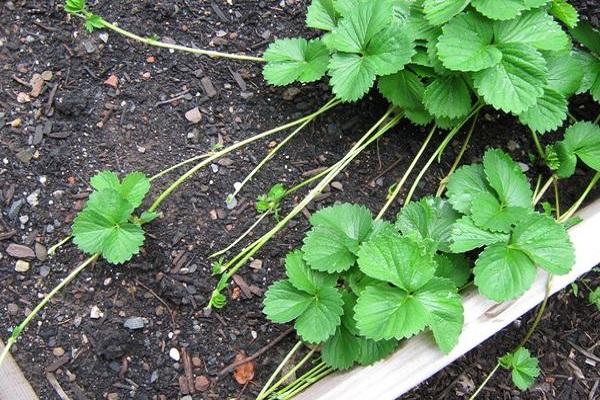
[74,103]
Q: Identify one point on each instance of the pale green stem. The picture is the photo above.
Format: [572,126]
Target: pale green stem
[543,190]
[58,245]
[328,106]
[285,360]
[306,377]
[179,165]
[540,312]
[307,181]
[556,199]
[156,43]
[17,331]
[573,209]
[537,186]
[290,373]
[221,153]
[407,173]
[538,145]
[487,379]
[310,381]
[241,237]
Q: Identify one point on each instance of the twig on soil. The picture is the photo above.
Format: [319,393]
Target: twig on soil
[56,386]
[153,293]
[254,356]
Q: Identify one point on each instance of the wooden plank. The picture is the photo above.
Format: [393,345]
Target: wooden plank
[13,385]
[418,358]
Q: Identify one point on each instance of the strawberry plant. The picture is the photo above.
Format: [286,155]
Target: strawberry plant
[524,368]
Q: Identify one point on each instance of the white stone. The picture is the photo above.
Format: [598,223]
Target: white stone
[174,354]
[21,266]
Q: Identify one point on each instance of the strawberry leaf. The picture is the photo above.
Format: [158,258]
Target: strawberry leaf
[438,12]
[464,185]
[453,267]
[448,96]
[547,114]
[535,28]
[488,213]
[583,139]
[564,12]
[322,15]
[468,236]
[524,368]
[507,179]
[290,60]
[499,9]
[304,278]
[403,89]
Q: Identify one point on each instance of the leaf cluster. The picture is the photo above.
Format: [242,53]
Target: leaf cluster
[107,224]
[78,8]
[270,202]
[435,59]
[495,201]
[581,142]
[523,367]
[358,286]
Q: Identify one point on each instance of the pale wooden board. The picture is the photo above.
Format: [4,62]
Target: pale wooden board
[13,385]
[418,358]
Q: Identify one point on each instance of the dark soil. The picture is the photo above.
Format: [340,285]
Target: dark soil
[79,125]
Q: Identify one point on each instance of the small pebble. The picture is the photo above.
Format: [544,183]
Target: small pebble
[21,266]
[174,354]
[58,351]
[95,313]
[13,308]
[134,323]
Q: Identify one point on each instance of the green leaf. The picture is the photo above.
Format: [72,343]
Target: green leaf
[524,368]
[547,114]
[594,298]
[290,60]
[430,218]
[403,89]
[397,260]
[361,25]
[93,22]
[507,179]
[448,96]
[147,217]
[535,28]
[105,180]
[466,44]
[499,9]
[418,116]
[123,242]
[565,12]
[304,278]
[590,66]
[546,242]
[351,220]
[567,160]
[444,306]
[468,236]
[454,267]
[386,313]
[390,51]
[464,185]
[503,273]
[321,318]
[370,351]
[134,188]
[583,139]
[488,213]
[110,204]
[588,36]
[418,26]
[531,4]
[351,76]
[327,250]
[74,6]
[514,84]
[438,12]
[322,15]
[341,350]
[565,73]
[284,303]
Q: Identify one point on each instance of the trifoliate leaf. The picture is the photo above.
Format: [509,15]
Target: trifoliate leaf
[547,114]
[454,267]
[381,227]
[111,205]
[565,12]
[468,236]
[535,28]
[403,89]
[370,351]
[466,44]
[516,82]
[503,272]
[499,9]
[386,313]
[321,14]
[290,60]
[464,184]
[443,303]
[567,160]
[488,213]
[507,179]
[397,260]
[588,36]
[389,51]
[448,96]
[565,73]
[341,350]
[284,303]
[531,4]
[321,318]
[524,368]
[438,12]
[583,139]
[351,76]
[304,278]
[361,25]
[429,218]
[546,242]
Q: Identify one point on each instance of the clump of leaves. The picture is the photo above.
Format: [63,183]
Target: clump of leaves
[523,367]
[437,59]
[581,141]
[107,225]
[78,8]
[271,201]
[495,200]
[359,285]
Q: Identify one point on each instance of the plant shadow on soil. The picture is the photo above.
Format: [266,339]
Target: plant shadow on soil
[85,126]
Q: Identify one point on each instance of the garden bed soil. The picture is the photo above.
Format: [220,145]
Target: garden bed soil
[80,124]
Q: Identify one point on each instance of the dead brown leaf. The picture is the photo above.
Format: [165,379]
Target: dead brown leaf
[245,372]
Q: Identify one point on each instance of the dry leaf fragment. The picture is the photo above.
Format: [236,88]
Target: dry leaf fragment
[245,372]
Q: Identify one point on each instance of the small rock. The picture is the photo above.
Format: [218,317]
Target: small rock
[112,81]
[134,323]
[256,264]
[113,396]
[25,156]
[47,75]
[34,198]
[208,87]
[201,383]
[290,93]
[22,266]
[13,309]
[150,59]
[524,167]
[187,397]
[58,351]
[194,115]
[337,186]
[23,219]
[20,251]
[95,313]
[174,354]
[104,37]
[44,271]
[23,98]
[196,361]
[40,252]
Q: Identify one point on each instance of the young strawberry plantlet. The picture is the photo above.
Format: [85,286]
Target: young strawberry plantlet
[94,22]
